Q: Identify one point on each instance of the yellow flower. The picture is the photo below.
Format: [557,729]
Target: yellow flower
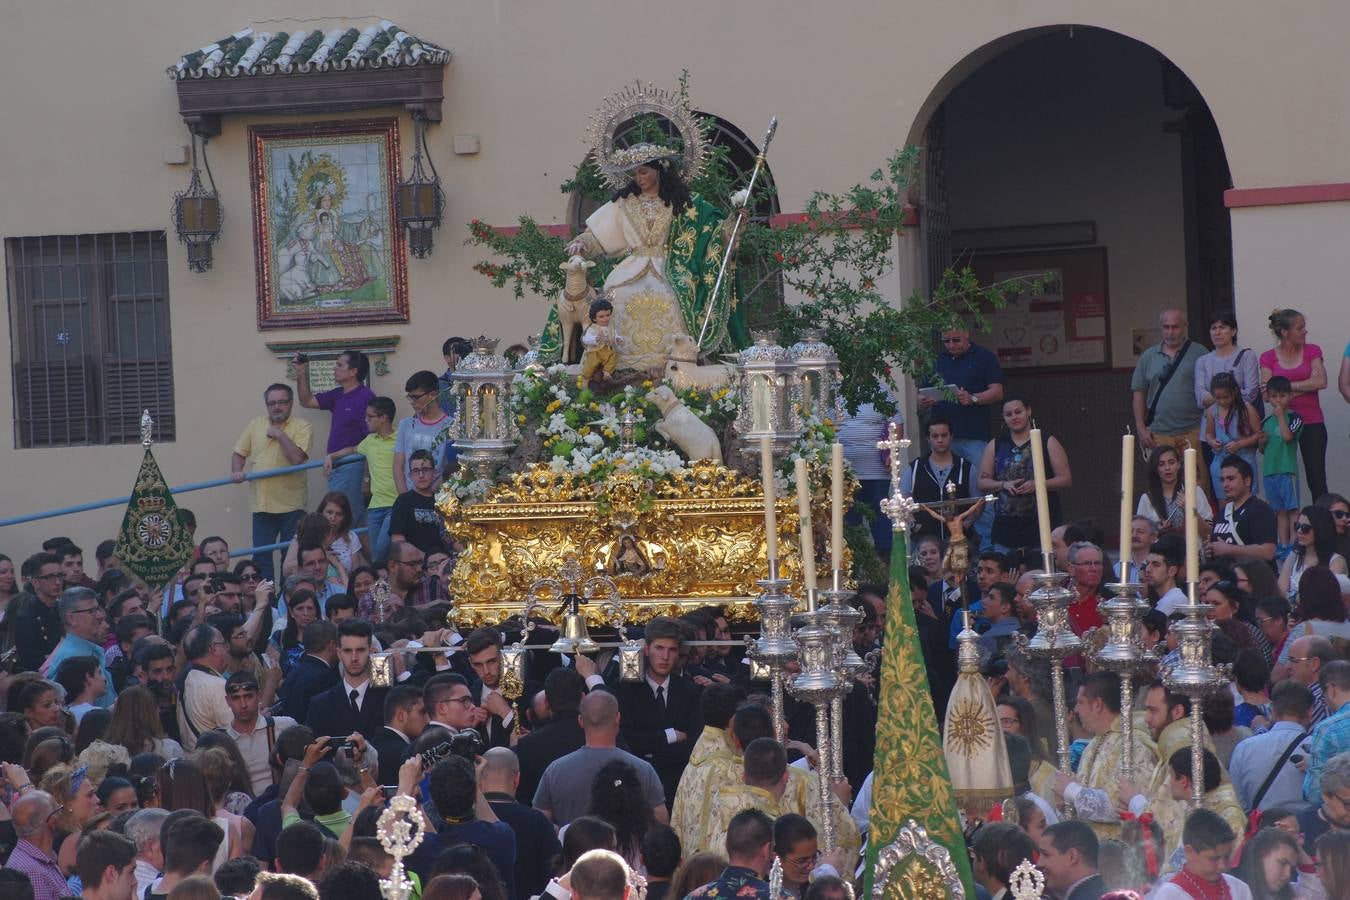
[647,383]
[585,430]
[520,419]
[554,406]
[609,433]
[595,406]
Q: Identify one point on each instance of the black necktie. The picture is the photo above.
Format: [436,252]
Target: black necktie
[661,697]
[356,707]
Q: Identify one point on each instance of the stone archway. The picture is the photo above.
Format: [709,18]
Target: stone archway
[1063,139]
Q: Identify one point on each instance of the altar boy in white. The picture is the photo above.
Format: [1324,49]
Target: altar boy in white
[1208,841]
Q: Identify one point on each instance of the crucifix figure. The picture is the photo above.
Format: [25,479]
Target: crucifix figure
[955,514]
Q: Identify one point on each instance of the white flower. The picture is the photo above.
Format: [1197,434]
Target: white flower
[557,465]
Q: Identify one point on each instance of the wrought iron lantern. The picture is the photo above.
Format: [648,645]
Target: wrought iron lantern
[420,200]
[765,381]
[818,381]
[484,429]
[197,215]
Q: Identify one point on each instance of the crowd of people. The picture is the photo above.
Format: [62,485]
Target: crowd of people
[226,736]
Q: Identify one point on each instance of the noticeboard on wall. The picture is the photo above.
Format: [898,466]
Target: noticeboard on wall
[1065,324]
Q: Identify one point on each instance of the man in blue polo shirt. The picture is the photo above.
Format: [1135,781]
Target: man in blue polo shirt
[977,378]
[86,628]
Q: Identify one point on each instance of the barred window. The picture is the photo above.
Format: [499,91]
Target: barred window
[89,335]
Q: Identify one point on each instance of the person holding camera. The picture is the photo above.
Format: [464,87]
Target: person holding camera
[467,816]
[317,781]
[347,402]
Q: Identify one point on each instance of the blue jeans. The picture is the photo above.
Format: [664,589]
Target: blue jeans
[272,528]
[377,531]
[347,479]
[972,450]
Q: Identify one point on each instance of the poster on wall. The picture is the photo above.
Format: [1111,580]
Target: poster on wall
[1058,319]
[327,246]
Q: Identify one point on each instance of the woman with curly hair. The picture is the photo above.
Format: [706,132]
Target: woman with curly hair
[617,798]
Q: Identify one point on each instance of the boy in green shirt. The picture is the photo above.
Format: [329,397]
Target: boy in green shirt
[1279,459]
[378,449]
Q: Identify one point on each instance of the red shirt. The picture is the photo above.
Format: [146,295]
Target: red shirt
[1083,613]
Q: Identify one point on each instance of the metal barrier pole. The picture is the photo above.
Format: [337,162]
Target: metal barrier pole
[183,489]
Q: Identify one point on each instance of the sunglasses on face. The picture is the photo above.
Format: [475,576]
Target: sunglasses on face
[1340,514]
[1303,528]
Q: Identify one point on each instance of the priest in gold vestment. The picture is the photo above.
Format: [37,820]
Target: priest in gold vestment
[1095,792]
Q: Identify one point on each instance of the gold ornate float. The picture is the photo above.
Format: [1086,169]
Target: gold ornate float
[672,545]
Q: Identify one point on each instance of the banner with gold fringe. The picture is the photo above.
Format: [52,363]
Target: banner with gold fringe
[152,542]
[910,779]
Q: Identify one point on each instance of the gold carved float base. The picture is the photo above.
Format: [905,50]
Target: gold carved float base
[671,545]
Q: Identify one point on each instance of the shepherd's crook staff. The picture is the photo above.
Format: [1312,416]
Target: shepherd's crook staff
[736,228]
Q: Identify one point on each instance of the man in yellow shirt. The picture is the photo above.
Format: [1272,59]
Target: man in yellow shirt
[274,441]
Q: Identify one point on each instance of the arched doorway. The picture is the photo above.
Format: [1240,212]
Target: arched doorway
[1080,152]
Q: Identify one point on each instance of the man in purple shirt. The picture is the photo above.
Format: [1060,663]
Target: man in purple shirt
[34,855]
[347,402]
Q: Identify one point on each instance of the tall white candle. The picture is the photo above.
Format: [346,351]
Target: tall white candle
[806,531]
[837,507]
[770,511]
[1126,495]
[1192,520]
[1042,493]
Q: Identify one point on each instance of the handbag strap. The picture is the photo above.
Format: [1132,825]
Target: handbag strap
[1162,385]
[1275,770]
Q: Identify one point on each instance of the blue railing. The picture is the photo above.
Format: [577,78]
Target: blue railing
[186,488]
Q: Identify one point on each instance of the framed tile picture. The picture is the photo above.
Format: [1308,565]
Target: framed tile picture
[327,246]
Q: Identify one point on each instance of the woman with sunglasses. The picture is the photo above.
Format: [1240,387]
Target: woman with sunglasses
[1339,507]
[1314,544]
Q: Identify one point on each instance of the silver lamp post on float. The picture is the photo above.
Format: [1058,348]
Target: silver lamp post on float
[817,382]
[484,429]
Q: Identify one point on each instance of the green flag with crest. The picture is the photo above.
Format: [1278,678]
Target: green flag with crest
[153,543]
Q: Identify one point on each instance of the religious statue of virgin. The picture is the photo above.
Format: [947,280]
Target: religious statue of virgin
[670,242]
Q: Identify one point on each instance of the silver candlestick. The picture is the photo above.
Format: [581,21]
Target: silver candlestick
[774,647]
[400,832]
[818,684]
[842,619]
[1124,653]
[1054,640]
[1196,676]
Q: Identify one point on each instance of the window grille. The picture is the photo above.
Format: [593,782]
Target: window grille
[89,338]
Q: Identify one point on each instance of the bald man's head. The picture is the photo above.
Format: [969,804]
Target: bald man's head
[31,812]
[500,771]
[599,712]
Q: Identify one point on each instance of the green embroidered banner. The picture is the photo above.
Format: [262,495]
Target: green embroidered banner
[910,778]
[152,542]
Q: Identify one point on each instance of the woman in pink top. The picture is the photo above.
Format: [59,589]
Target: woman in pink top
[1301,362]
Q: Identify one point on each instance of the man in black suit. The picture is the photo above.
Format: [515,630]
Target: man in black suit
[559,735]
[537,842]
[353,704]
[484,649]
[312,674]
[405,717]
[1069,860]
[660,717]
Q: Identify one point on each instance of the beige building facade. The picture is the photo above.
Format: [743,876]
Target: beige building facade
[1053,112]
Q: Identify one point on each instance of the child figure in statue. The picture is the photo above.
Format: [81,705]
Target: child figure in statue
[599,360]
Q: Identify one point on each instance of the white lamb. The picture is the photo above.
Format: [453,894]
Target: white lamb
[682,428]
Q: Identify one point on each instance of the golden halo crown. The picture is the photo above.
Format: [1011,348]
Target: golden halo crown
[644,99]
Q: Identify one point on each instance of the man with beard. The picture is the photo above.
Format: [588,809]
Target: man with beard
[153,666]
[353,704]
[484,649]
[86,629]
